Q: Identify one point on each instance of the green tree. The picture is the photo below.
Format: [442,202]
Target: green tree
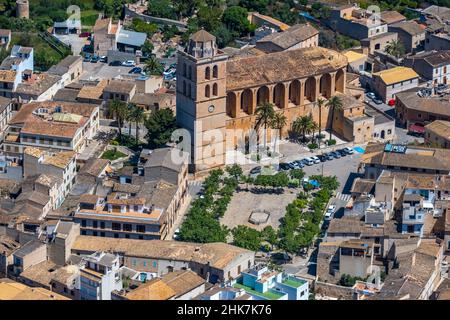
[303,125]
[153,66]
[137,116]
[297,174]
[264,115]
[119,111]
[235,19]
[160,125]
[278,122]
[235,171]
[395,48]
[268,234]
[320,103]
[334,103]
[161,9]
[246,237]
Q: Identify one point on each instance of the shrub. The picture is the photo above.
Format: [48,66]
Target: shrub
[331,142]
[312,146]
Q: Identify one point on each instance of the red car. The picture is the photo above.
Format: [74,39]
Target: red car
[391,102]
[84,34]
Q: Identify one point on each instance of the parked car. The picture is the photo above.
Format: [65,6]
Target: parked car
[169,71]
[335,154]
[115,63]
[176,234]
[371,95]
[294,165]
[329,156]
[104,59]
[342,152]
[95,58]
[87,58]
[323,158]
[256,170]
[135,70]
[128,63]
[285,166]
[309,161]
[300,163]
[377,101]
[349,150]
[331,208]
[84,34]
[315,159]
[328,215]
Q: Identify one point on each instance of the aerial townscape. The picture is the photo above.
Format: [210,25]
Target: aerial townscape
[224,150]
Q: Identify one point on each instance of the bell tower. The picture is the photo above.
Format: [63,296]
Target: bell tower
[201,100]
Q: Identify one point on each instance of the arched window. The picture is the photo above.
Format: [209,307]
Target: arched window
[207,91]
[190,72]
[184,69]
[207,72]
[215,72]
[215,89]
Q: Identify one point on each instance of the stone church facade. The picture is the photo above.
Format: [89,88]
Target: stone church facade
[218,96]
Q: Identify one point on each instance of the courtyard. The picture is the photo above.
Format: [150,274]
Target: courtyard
[243,203]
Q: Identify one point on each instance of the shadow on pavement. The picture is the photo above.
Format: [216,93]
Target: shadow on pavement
[349,182]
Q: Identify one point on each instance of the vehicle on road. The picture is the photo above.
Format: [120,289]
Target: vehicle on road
[87,58]
[84,34]
[95,58]
[322,158]
[315,159]
[128,63]
[335,154]
[104,59]
[300,163]
[169,71]
[256,170]
[371,95]
[176,234]
[342,152]
[349,150]
[135,70]
[294,165]
[115,63]
[329,156]
[308,161]
[330,211]
[377,101]
[285,166]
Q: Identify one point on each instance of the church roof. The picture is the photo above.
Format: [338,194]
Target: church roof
[202,36]
[282,66]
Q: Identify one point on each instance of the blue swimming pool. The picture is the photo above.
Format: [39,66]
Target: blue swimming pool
[359,149]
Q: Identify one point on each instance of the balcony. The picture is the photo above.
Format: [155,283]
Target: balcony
[268,295]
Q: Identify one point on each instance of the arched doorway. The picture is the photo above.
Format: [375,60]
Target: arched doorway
[325,85]
[262,95]
[340,81]
[294,92]
[231,104]
[247,101]
[383,134]
[278,95]
[310,89]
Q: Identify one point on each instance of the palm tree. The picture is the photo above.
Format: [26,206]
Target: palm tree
[395,48]
[131,107]
[302,125]
[320,103]
[118,109]
[153,66]
[334,103]
[137,116]
[278,122]
[264,115]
